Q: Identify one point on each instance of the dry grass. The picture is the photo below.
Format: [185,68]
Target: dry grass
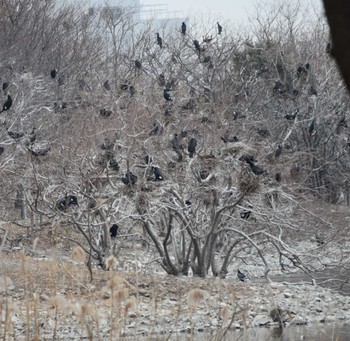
[54,299]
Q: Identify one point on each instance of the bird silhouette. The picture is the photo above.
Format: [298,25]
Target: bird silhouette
[312,128]
[7,105]
[175,143]
[5,85]
[192,146]
[197,46]
[245,214]
[166,95]
[129,179]
[219,28]
[105,112]
[292,117]
[106,85]
[278,151]
[53,73]
[113,230]
[138,64]
[278,177]
[183,28]
[113,164]
[159,41]
[157,173]
[241,276]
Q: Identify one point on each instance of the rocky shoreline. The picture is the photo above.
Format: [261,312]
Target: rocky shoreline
[131,305]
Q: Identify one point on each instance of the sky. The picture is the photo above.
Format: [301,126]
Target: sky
[233,10]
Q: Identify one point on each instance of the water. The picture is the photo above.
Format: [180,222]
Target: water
[314,332]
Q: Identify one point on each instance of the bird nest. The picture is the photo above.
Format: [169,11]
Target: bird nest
[248,182]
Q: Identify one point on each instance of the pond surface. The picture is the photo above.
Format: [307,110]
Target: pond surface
[314,332]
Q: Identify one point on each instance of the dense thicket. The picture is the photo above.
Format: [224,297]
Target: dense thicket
[209,143]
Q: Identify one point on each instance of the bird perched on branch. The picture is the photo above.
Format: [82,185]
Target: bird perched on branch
[5,86]
[192,146]
[53,73]
[129,179]
[166,95]
[241,276]
[197,46]
[113,230]
[219,28]
[183,28]
[138,64]
[7,105]
[157,173]
[159,40]
[106,85]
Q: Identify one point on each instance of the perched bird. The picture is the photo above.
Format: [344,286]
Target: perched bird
[175,143]
[32,136]
[53,73]
[7,105]
[278,151]
[113,163]
[183,134]
[105,112]
[113,230]
[15,134]
[63,203]
[197,46]
[301,69]
[329,48]
[279,87]
[61,79]
[106,85]
[292,117]
[192,146]
[183,28]
[148,159]
[188,203]
[241,276]
[278,177]
[206,59]
[219,28]
[2,149]
[159,41]
[157,173]
[129,179]
[256,169]
[132,90]
[312,128]
[138,64]
[5,85]
[245,214]
[72,200]
[166,95]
